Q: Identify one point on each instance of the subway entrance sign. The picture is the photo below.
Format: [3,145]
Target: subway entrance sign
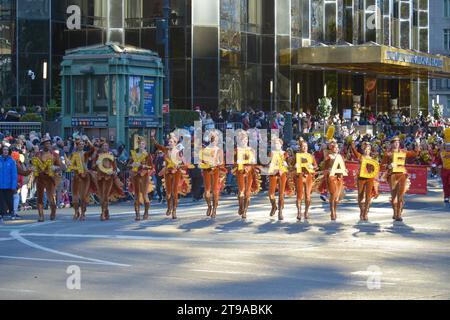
[93,122]
[143,122]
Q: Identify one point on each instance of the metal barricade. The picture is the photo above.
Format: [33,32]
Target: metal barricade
[69,176]
[20,128]
[223,126]
[124,176]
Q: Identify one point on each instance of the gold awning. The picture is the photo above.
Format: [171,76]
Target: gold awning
[374,59]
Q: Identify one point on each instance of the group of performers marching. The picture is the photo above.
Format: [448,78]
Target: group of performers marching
[291,174]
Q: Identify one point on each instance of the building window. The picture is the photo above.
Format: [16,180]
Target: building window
[80,89]
[68,92]
[100,94]
[447,39]
[113,95]
[254,13]
[446,8]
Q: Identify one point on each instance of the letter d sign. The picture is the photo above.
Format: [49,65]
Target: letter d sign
[74,20]
[74,280]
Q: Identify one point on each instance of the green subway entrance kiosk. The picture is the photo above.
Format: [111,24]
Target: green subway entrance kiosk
[112,91]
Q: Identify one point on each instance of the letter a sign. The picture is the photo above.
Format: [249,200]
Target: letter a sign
[74,20]
[339,167]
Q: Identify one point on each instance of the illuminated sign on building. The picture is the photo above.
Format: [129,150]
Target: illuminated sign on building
[414,59]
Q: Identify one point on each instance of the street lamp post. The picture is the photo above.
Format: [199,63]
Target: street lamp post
[31,76]
[299,123]
[324,120]
[44,106]
[271,103]
[271,95]
[166,10]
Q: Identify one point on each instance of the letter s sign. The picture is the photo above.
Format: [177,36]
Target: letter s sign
[74,20]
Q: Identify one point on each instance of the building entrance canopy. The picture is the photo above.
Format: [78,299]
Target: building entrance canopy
[374,59]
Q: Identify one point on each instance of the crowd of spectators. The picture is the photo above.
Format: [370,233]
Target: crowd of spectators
[15,114]
[308,123]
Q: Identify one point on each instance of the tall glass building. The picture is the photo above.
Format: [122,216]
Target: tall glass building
[237,54]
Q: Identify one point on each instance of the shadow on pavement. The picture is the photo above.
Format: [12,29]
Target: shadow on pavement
[368,228]
[331,228]
[402,229]
[234,225]
[272,225]
[204,223]
[145,224]
[298,227]
[289,283]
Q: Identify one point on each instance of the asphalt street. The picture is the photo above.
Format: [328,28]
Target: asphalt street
[198,258]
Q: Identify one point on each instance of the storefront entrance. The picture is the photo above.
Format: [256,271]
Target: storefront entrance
[369,79]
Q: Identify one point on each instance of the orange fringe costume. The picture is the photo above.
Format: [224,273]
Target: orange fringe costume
[367,188]
[444,161]
[304,183]
[248,178]
[83,181]
[109,186]
[141,184]
[214,175]
[46,180]
[176,179]
[398,182]
[332,184]
[278,176]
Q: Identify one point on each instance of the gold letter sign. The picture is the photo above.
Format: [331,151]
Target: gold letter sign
[339,166]
[398,162]
[304,160]
[364,173]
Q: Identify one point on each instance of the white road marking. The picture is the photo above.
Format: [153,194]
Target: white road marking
[230,272]
[34,223]
[17,236]
[366,273]
[177,239]
[297,244]
[18,290]
[52,260]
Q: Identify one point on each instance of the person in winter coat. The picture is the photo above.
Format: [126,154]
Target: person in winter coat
[8,181]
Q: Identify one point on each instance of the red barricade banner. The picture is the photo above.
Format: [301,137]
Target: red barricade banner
[417,174]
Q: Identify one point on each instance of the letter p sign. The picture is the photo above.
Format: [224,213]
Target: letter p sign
[74,20]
